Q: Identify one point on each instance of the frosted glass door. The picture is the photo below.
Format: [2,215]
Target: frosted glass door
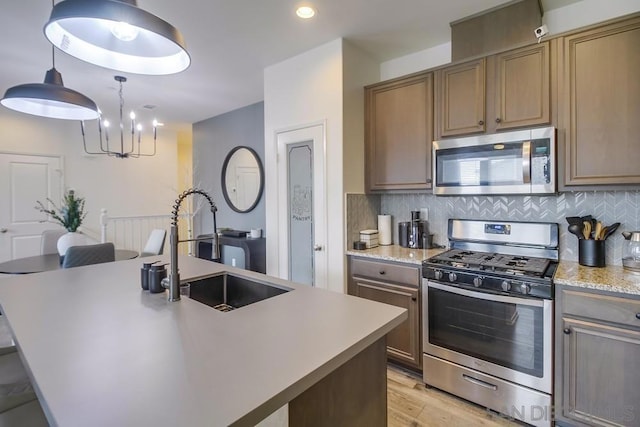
[300,211]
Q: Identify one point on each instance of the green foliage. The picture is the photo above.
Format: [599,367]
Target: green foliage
[70,214]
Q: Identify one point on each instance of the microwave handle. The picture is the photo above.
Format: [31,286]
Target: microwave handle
[526,162]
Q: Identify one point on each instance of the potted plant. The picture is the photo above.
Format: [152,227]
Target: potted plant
[70,215]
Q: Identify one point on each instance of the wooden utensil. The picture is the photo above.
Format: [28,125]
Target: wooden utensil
[586,229]
[597,235]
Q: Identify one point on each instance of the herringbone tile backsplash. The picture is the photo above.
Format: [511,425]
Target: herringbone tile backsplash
[606,206]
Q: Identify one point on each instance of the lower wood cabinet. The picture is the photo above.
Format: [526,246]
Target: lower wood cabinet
[395,284]
[597,359]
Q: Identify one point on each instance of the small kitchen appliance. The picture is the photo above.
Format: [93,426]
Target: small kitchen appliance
[631,250]
[487,316]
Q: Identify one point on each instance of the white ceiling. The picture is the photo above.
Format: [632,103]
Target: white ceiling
[230,43]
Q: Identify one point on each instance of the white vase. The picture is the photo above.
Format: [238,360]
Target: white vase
[70,239]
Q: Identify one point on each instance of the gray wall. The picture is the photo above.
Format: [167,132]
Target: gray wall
[606,206]
[212,140]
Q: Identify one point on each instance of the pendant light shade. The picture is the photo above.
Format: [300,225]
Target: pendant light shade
[50,99]
[116,34]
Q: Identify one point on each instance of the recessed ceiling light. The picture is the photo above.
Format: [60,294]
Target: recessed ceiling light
[305,12]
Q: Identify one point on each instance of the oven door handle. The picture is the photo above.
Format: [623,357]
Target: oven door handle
[526,162]
[479,382]
[486,296]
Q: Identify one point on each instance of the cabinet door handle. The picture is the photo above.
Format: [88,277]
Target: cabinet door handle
[481,122]
[566,331]
[498,120]
[382,272]
[638,316]
[414,299]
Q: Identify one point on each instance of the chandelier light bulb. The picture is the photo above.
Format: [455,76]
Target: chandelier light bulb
[132,115]
[155,123]
[139,127]
[106,123]
[124,31]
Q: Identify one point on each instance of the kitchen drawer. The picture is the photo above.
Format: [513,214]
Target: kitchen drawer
[386,272]
[605,308]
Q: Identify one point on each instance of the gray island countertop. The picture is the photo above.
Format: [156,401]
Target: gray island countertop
[102,352]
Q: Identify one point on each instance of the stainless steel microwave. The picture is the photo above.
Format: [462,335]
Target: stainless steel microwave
[519,162]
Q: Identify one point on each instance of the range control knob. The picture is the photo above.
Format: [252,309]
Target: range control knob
[525,289]
[437,275]
[477,282]
[453,277]
[505,285]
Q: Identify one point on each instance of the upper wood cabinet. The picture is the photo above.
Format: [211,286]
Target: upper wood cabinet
[601,96]
[522,97]
[460,98]
[399,133]
[503,91]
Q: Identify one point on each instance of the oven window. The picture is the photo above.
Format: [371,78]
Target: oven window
[509,335]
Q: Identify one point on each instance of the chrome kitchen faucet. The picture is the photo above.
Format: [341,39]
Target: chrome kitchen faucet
[173,281]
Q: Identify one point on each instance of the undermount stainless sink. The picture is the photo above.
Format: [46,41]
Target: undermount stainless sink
[226,291]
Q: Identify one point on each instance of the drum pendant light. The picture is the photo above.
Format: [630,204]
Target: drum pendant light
[116,34]
[50,99]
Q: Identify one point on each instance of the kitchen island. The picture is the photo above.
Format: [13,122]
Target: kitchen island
[100,351]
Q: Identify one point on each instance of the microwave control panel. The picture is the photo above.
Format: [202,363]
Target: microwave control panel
[540,161]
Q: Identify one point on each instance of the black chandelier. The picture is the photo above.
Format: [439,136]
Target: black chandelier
[128,149]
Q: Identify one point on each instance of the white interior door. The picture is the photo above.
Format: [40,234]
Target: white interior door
[25,179]
[302,215]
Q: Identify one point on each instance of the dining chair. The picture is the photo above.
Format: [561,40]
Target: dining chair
[89,254]
[49,241]
[155,243]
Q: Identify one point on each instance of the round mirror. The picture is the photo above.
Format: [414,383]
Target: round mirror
[242,179]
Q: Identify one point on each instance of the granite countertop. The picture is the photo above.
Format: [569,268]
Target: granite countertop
[397,253]
[102,352]
[611,278]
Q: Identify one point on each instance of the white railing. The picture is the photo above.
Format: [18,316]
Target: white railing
[132,232]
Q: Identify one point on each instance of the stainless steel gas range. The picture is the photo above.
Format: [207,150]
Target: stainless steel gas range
[488,313]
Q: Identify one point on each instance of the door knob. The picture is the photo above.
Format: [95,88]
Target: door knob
[498,120]
[481,122]
[317,248]
[3,230]
[566,331]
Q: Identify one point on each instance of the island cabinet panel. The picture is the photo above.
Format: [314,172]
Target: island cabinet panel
[597,353]
[601,94]
[504,91]
[355,394]
[394,284]
[460,99]
[399,133]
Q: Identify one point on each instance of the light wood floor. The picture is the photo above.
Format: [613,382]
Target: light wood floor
[410,403]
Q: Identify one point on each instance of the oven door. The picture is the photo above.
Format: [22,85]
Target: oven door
[504,336]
